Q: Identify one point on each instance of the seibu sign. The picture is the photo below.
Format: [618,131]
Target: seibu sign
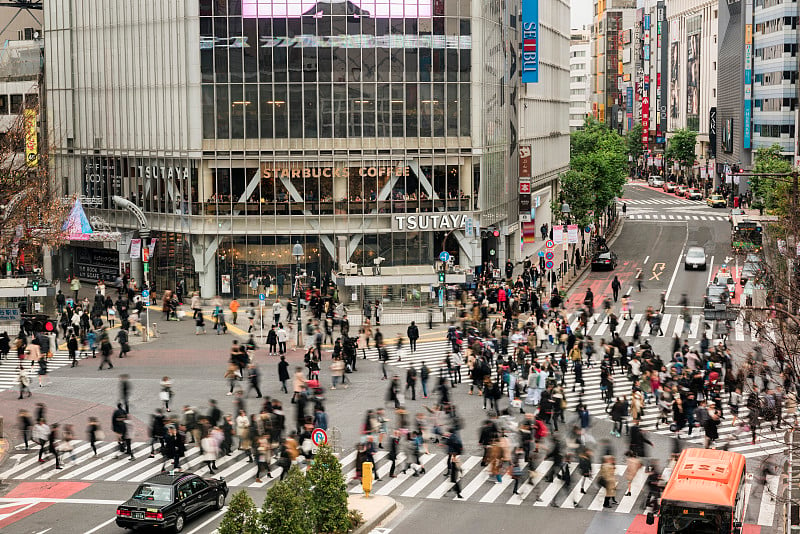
[425,221]
[268,171]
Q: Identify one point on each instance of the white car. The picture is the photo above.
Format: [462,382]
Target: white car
[724,278]
[695,259]
[655,181]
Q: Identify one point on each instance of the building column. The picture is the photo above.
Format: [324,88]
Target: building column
[47,262]
[205,264]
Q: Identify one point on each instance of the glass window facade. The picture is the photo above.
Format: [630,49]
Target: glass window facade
[330,73]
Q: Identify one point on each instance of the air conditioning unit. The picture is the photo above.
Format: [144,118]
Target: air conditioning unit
[350,268]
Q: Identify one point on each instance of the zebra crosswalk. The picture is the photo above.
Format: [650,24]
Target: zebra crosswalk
[769,441]
[661,201]
[675,217]
[477,484]
[9,369]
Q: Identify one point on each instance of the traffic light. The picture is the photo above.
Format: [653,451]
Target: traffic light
[495,232]
[441,277]
[35,285]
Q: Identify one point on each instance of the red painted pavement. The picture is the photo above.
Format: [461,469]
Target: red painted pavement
[640,526]
[42,490]
[600,283]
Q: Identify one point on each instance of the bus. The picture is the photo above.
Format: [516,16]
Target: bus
[706,494]
[745,234]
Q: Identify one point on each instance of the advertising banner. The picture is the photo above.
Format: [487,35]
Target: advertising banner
[674,80]
[693,75]
[136,249]
[31,139]
[748,74]
[530,41]
[712,132]
[558,234]
[525,161]
[572,234]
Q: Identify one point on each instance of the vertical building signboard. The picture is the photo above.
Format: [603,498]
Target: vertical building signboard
[662,44]
[748,74]
[530,41]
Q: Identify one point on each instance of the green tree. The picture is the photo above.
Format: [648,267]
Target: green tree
[633,140]
[327,502]
[241,517]
[600,155]
[577,191]
[285,508]
[681,148]
[771,193]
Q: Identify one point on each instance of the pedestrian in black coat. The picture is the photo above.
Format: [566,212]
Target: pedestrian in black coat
[283,373]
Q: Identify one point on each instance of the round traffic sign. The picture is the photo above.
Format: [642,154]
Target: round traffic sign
[541,253]
[549,243]
[262,296]
[548,264]
[145,293]
[444,256]
[588,229]
[319,437]
[549,256]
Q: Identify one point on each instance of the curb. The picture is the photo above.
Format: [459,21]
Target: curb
[610,241]
[387,507]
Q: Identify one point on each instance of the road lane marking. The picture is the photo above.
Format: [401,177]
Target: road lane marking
[199,527]
[645,260]
[710,270]
[677,265]
[101,525]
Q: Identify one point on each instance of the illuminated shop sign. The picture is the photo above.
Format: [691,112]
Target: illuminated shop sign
[377,9]
[268,171]
[445,221]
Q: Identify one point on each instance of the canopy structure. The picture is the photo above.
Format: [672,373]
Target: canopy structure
[78,228]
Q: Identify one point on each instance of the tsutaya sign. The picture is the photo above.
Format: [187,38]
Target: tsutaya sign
[425,221]
[170,173]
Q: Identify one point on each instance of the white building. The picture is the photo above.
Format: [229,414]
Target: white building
[580,77]
[692,86]
[544,116]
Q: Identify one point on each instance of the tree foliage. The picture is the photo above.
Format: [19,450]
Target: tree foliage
[774,193]
[681,148]
[31,213]
[599,156]
[241,516]
[577,190]
[633,140]
[328,495]
[286,505]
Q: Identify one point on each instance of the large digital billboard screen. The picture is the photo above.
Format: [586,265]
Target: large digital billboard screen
[377,9]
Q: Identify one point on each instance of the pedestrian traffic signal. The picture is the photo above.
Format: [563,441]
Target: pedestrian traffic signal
[441,278]
[35,285]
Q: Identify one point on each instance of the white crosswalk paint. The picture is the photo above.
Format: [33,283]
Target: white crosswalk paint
[552,490]
[442,489]
[9,371]
[477,484]
[766,513]
[677,217]
[539,473]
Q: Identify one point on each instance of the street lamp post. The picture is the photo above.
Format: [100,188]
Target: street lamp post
[565,212]
[297,252]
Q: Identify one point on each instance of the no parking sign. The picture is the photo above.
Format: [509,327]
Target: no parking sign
[319,437]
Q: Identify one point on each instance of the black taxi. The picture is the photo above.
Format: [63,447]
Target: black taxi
[168,500]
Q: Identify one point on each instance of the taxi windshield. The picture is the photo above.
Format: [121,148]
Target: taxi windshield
[152,492]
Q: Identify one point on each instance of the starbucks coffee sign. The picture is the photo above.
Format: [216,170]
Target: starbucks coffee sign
[429,221]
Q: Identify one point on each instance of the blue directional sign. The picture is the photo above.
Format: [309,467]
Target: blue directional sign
[541,253]
[444,256]
[145,293]
[262,296]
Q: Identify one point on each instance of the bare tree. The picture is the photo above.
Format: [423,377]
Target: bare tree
[31,214]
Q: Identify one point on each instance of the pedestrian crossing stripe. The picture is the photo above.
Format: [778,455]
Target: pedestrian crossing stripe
[9,369]
[678,217]
[477,484]
[434,354]
[658,201]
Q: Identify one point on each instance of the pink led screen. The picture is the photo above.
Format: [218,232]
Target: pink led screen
[379,9]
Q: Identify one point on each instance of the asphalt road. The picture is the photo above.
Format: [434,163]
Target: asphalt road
[196,364]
